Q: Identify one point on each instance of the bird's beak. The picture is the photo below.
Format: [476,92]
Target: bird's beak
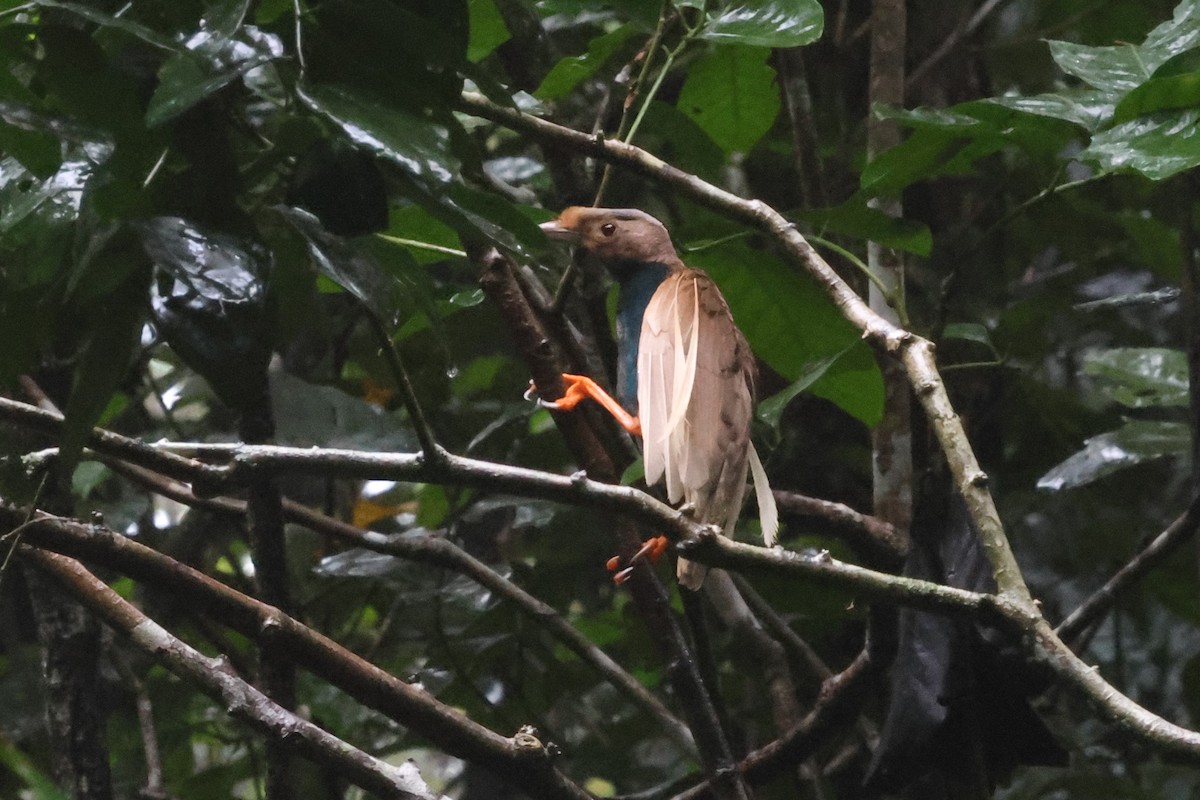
[556,230]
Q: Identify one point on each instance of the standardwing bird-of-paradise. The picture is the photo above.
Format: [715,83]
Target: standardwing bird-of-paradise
[685,374]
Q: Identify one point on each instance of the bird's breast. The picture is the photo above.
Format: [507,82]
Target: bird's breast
[637,287]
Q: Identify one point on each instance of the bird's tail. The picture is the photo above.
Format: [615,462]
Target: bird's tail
[768,513]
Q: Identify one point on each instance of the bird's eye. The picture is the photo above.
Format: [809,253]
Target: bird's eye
[608,228]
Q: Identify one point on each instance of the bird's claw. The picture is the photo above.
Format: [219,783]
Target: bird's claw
[652,549]
[571,397]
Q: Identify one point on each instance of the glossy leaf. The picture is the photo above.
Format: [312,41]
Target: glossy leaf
[732,95]
[345,264]
[1121,68]
[766,23]
[1088,108]
[117,22]
[210,62]
[421,149]
[1141,377]
[1157,146]
[210,303]
[1171,93]
[1136,442]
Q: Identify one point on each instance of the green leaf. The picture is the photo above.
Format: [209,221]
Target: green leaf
[1157,146]
[731,94]
[573,70]
[856,219]
[1087,108]
[38,151]
[1141,377]
[1159,94]
[792,326]
[122,23]
[767,23]
[38,784]
[770,410]
[1136,442]
[1115,69]
[113,335]
[345,264]
[969,332]
[488,30]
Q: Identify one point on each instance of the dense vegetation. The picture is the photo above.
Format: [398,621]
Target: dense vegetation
[314,224]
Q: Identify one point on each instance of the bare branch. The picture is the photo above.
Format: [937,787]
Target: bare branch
[240,699]
[441,552]
[513,758]
[915,353]
[1090,611]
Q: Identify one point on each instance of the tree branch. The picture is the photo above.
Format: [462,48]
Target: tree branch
[913,352]
[1090,610]
[241,700]
[515,759]
[441,552]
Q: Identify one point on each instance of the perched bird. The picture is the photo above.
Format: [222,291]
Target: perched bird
[685,375]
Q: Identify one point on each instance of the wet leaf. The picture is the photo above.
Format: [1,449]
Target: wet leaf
[1157,146]
[1134,443]
[418,146]
[1141,377]
[212,60]
[766,23]
[732,95]
[210,303]
[346,264]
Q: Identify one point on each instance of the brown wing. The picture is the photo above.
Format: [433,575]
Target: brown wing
[695,401]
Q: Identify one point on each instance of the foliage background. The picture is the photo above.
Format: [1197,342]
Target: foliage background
[188,187]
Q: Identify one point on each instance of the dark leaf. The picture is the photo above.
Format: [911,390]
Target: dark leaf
[1136,442]
[793,326]
[113,333]
[212,60]
[210,303]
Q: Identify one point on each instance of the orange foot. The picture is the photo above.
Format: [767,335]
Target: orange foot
[651,549]
[581,387]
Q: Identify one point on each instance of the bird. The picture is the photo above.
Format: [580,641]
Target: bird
[685,374]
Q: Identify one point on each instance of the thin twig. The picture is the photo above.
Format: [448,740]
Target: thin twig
[429,446]
[1090,610]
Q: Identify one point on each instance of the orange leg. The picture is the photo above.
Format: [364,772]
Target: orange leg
[581,387]
[651,549]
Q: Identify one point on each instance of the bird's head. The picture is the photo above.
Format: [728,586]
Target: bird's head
[620,238]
